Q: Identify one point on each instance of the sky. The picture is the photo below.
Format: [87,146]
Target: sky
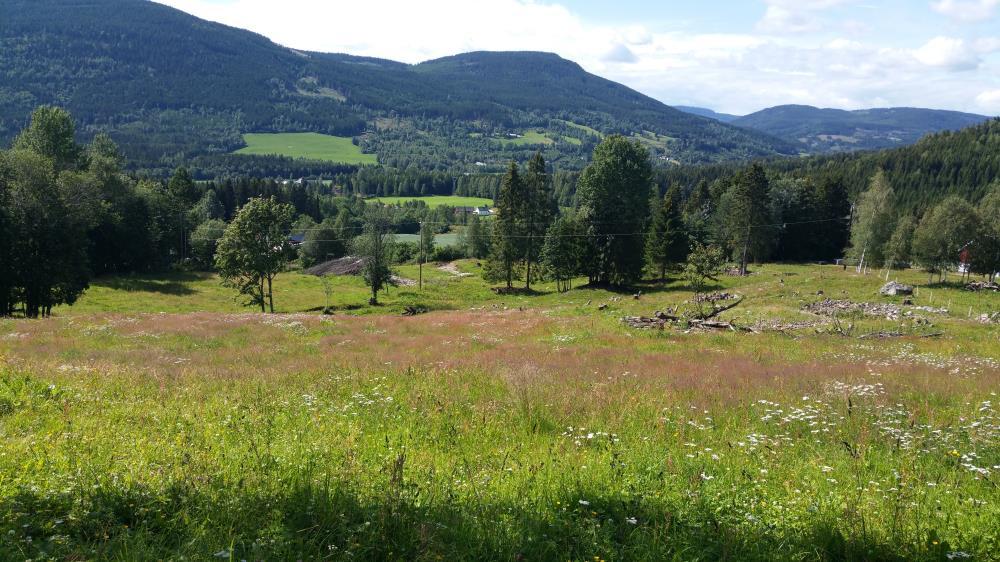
[733,56]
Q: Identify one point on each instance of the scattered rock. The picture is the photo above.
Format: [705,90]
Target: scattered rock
[988,318]
[452,268]
[894,289]
[831,307]
[715,297]
[643,323]
[402,281]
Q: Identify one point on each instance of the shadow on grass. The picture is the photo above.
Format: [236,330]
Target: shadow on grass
[173,284]
[295,519]
[647,288]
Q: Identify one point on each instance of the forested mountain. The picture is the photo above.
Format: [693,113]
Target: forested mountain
[705,112]
[962,163]
[837,130]
[168,87]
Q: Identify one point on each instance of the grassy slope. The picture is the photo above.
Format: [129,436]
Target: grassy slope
[528,138]
[313,146]
[449,239]
[438,200]
[508,427]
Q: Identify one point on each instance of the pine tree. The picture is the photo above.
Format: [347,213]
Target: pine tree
[507,237]
[666,243]
[537,212]
[744,217]
[477,238]
[698,211]
[562,252]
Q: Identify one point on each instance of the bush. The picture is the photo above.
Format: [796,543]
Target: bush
[448,253]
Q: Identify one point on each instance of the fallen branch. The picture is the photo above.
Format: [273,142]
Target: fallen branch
[717,310]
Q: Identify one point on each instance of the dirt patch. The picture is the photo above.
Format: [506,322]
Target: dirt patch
[403,281]
[452,268]
[347,265]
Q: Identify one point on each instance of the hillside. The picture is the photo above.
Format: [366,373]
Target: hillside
[705,112]
[963,163]
[169,87]
[837,130]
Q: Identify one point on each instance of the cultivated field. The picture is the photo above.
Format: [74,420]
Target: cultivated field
[313,146]
[447,239]
[155,420]
[438,200]
[528,138]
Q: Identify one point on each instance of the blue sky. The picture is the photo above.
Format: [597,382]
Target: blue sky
[734,56]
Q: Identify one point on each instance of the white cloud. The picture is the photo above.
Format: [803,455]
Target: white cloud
[989,101]
[948,53]
[795,16]
[620,53]
[967,10]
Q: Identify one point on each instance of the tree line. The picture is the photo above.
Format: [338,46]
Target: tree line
[70,211]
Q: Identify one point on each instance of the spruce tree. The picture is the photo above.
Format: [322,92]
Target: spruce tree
[744,217]
[666,243]
[537,212]
[507,237]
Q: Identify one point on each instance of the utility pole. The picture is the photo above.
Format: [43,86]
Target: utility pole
[420,285]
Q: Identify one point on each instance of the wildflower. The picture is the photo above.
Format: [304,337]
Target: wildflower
[706,476]
[958,554]
[584,502]
[827,469]
[631,520]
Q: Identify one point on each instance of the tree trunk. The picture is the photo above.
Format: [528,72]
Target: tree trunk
[270,294]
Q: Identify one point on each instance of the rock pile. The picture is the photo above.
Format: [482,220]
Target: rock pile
[831,307]
[895,289]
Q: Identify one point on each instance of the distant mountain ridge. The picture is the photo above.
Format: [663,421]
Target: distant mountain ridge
[705,112]
[837,130]
[169,86]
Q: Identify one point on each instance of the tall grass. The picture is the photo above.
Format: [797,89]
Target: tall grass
[550,433]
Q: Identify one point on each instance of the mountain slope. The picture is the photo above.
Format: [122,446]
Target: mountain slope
[836,130]
[170,86]
[705,112]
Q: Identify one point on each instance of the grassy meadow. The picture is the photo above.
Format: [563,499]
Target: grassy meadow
[157,419]
[313,146]
[438,200]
